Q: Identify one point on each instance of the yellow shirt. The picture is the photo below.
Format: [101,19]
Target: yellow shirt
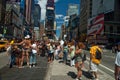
[12,42]
[93,54]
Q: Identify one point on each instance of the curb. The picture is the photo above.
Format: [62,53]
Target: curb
[49,72]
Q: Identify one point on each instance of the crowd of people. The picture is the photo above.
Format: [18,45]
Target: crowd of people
[27,49]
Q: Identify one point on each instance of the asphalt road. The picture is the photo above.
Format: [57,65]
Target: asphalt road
[26,73]
[108,62]
[39,72]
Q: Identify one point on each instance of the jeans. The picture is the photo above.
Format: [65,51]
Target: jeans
[12,60]
[72,62]
[33,58]
[65,54]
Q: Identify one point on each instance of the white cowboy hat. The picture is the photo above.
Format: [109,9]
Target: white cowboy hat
[28,36]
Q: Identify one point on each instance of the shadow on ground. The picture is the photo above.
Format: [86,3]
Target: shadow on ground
[87,74]
[72,74]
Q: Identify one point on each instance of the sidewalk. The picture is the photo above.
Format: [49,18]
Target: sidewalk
[60,71]
[4,58]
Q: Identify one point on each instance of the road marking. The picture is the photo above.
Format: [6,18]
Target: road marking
[109,56]
[107,68]
[103,66]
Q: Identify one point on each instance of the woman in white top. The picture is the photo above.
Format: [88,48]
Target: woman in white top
[72,53]
[33,54]
[117,64]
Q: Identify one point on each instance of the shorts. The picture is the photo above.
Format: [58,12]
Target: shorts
[93,67]
[26,51]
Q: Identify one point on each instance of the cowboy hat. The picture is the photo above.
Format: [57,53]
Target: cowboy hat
[28,36]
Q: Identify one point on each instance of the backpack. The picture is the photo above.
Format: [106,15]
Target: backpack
[98,54]
[84,58]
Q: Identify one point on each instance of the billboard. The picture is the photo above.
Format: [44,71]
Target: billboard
[73,9]
[13,0]
[50,4]
[50,1]
[50,8]
[100,6]
[95,25]
[37,15]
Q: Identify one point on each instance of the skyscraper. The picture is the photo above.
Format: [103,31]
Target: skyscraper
[50,17]
[28,11]
[2,14]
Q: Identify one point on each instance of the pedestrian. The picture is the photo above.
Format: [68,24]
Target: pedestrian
[79,54]
[18,56]
[26,44]
[65,52]
[117,64]
[8,50]
[40,48]
[44,47]
[72,53]
[10,53]
[51,53]
[14,52]
[57,51]
[33,54]
[94,62]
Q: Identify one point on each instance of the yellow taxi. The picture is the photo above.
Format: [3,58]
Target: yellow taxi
[3,45]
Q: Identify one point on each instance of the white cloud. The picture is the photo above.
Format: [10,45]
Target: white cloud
[59,16]
[42,4]
[56,0]
[58,27]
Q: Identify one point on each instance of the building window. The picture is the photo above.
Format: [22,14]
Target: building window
[111,29]
[118,4]
[104,29]
[109,16]
[118,29]
[101,2]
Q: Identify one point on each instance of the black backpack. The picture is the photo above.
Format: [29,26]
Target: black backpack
[98,54]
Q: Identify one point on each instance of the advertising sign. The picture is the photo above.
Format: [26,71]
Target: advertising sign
[14,0]
[96,25]
[73,9]
[105,6]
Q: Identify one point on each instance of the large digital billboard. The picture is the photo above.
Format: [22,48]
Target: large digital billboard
[73,9]
[37,15]
[14,0]
[99,6]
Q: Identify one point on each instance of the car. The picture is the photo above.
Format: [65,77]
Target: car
[3,45]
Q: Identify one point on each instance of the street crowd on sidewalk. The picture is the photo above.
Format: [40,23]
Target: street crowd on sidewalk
[26,50]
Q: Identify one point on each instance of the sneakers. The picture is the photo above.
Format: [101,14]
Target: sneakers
[33,65]
[30,66]
[76,79]
[79,78]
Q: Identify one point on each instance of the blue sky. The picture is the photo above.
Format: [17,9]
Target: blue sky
[61,7]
